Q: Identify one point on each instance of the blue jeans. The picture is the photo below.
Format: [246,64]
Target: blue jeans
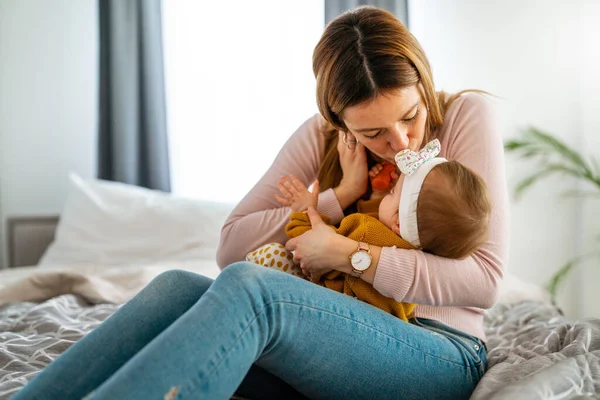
[264,334]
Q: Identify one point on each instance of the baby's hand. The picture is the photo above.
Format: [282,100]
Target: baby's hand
[387,168]
[295,195]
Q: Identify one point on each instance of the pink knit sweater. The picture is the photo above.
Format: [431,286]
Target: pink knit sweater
[454,292]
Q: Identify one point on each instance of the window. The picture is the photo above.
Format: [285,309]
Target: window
[239,82]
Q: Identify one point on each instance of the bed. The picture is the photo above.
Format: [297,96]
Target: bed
[44,311]
[534,352]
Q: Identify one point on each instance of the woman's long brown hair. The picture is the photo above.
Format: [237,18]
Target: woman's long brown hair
[363,53]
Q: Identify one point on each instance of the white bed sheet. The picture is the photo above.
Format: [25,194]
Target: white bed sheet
[95,283]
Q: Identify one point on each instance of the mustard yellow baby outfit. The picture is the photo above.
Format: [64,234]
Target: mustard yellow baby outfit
[362,226]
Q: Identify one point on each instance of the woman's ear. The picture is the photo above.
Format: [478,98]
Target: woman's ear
[349,140]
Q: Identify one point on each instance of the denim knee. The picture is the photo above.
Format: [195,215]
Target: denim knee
[180,282]
[246,277]
[242,271]
[172,278]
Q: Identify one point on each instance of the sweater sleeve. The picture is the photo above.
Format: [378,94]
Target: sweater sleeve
[300,224]
[259,218]
[470,135]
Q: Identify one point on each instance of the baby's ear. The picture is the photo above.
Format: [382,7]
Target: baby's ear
[396,229]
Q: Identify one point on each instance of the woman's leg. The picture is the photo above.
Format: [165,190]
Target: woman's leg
[93,359]
[323,343]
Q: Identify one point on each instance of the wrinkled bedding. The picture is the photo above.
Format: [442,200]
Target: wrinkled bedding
[533,351]
[43,311]
[32,335]
[536,353]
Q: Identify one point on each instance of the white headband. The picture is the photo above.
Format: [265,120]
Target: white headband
[415,165]
[411,187]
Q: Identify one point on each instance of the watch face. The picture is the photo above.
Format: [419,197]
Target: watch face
[361,260]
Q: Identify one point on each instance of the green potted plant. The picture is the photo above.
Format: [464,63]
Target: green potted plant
[553,157]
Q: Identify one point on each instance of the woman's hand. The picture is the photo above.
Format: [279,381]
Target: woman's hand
[355,172]
[321,249]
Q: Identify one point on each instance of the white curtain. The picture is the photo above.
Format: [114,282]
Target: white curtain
[399,8]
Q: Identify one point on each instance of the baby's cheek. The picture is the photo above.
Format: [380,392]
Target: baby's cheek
[384,206]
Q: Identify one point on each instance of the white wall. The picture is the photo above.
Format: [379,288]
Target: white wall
[48,101]
[530,54]
[589,84]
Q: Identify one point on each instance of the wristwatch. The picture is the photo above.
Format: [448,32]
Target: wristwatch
[361,259]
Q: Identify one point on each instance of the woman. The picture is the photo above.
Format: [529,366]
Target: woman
[272,335]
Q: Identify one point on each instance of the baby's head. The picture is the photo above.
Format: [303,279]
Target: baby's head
[453,211]
[447,213]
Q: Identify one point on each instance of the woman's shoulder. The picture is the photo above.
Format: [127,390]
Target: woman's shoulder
[309,133]
[305,147]
[316,123]
[470,121]
[468,103]
[314,126]
[476,109]
[313,132]
[321,122]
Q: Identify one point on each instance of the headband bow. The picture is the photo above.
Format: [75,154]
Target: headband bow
[409,161]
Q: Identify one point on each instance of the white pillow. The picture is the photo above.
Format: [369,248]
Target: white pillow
[112,223]
[514,290]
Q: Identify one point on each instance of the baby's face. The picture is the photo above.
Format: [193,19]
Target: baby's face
[388,208]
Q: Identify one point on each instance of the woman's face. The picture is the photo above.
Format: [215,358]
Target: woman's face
[390,123]
[389,207]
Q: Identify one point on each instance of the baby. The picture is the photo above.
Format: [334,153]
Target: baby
[438,206]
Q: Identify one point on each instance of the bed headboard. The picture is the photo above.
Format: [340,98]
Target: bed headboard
[28,239]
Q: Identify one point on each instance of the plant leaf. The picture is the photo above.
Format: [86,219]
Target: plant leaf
[595,166]
[559,276]
[513,144]
[550,169]
[527,182]
[554,155]
[559,148]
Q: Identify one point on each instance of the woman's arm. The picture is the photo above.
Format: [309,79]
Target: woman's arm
[259,218]
[471,135]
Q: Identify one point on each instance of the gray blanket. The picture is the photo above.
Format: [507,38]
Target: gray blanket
[534,353]
[32,335]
